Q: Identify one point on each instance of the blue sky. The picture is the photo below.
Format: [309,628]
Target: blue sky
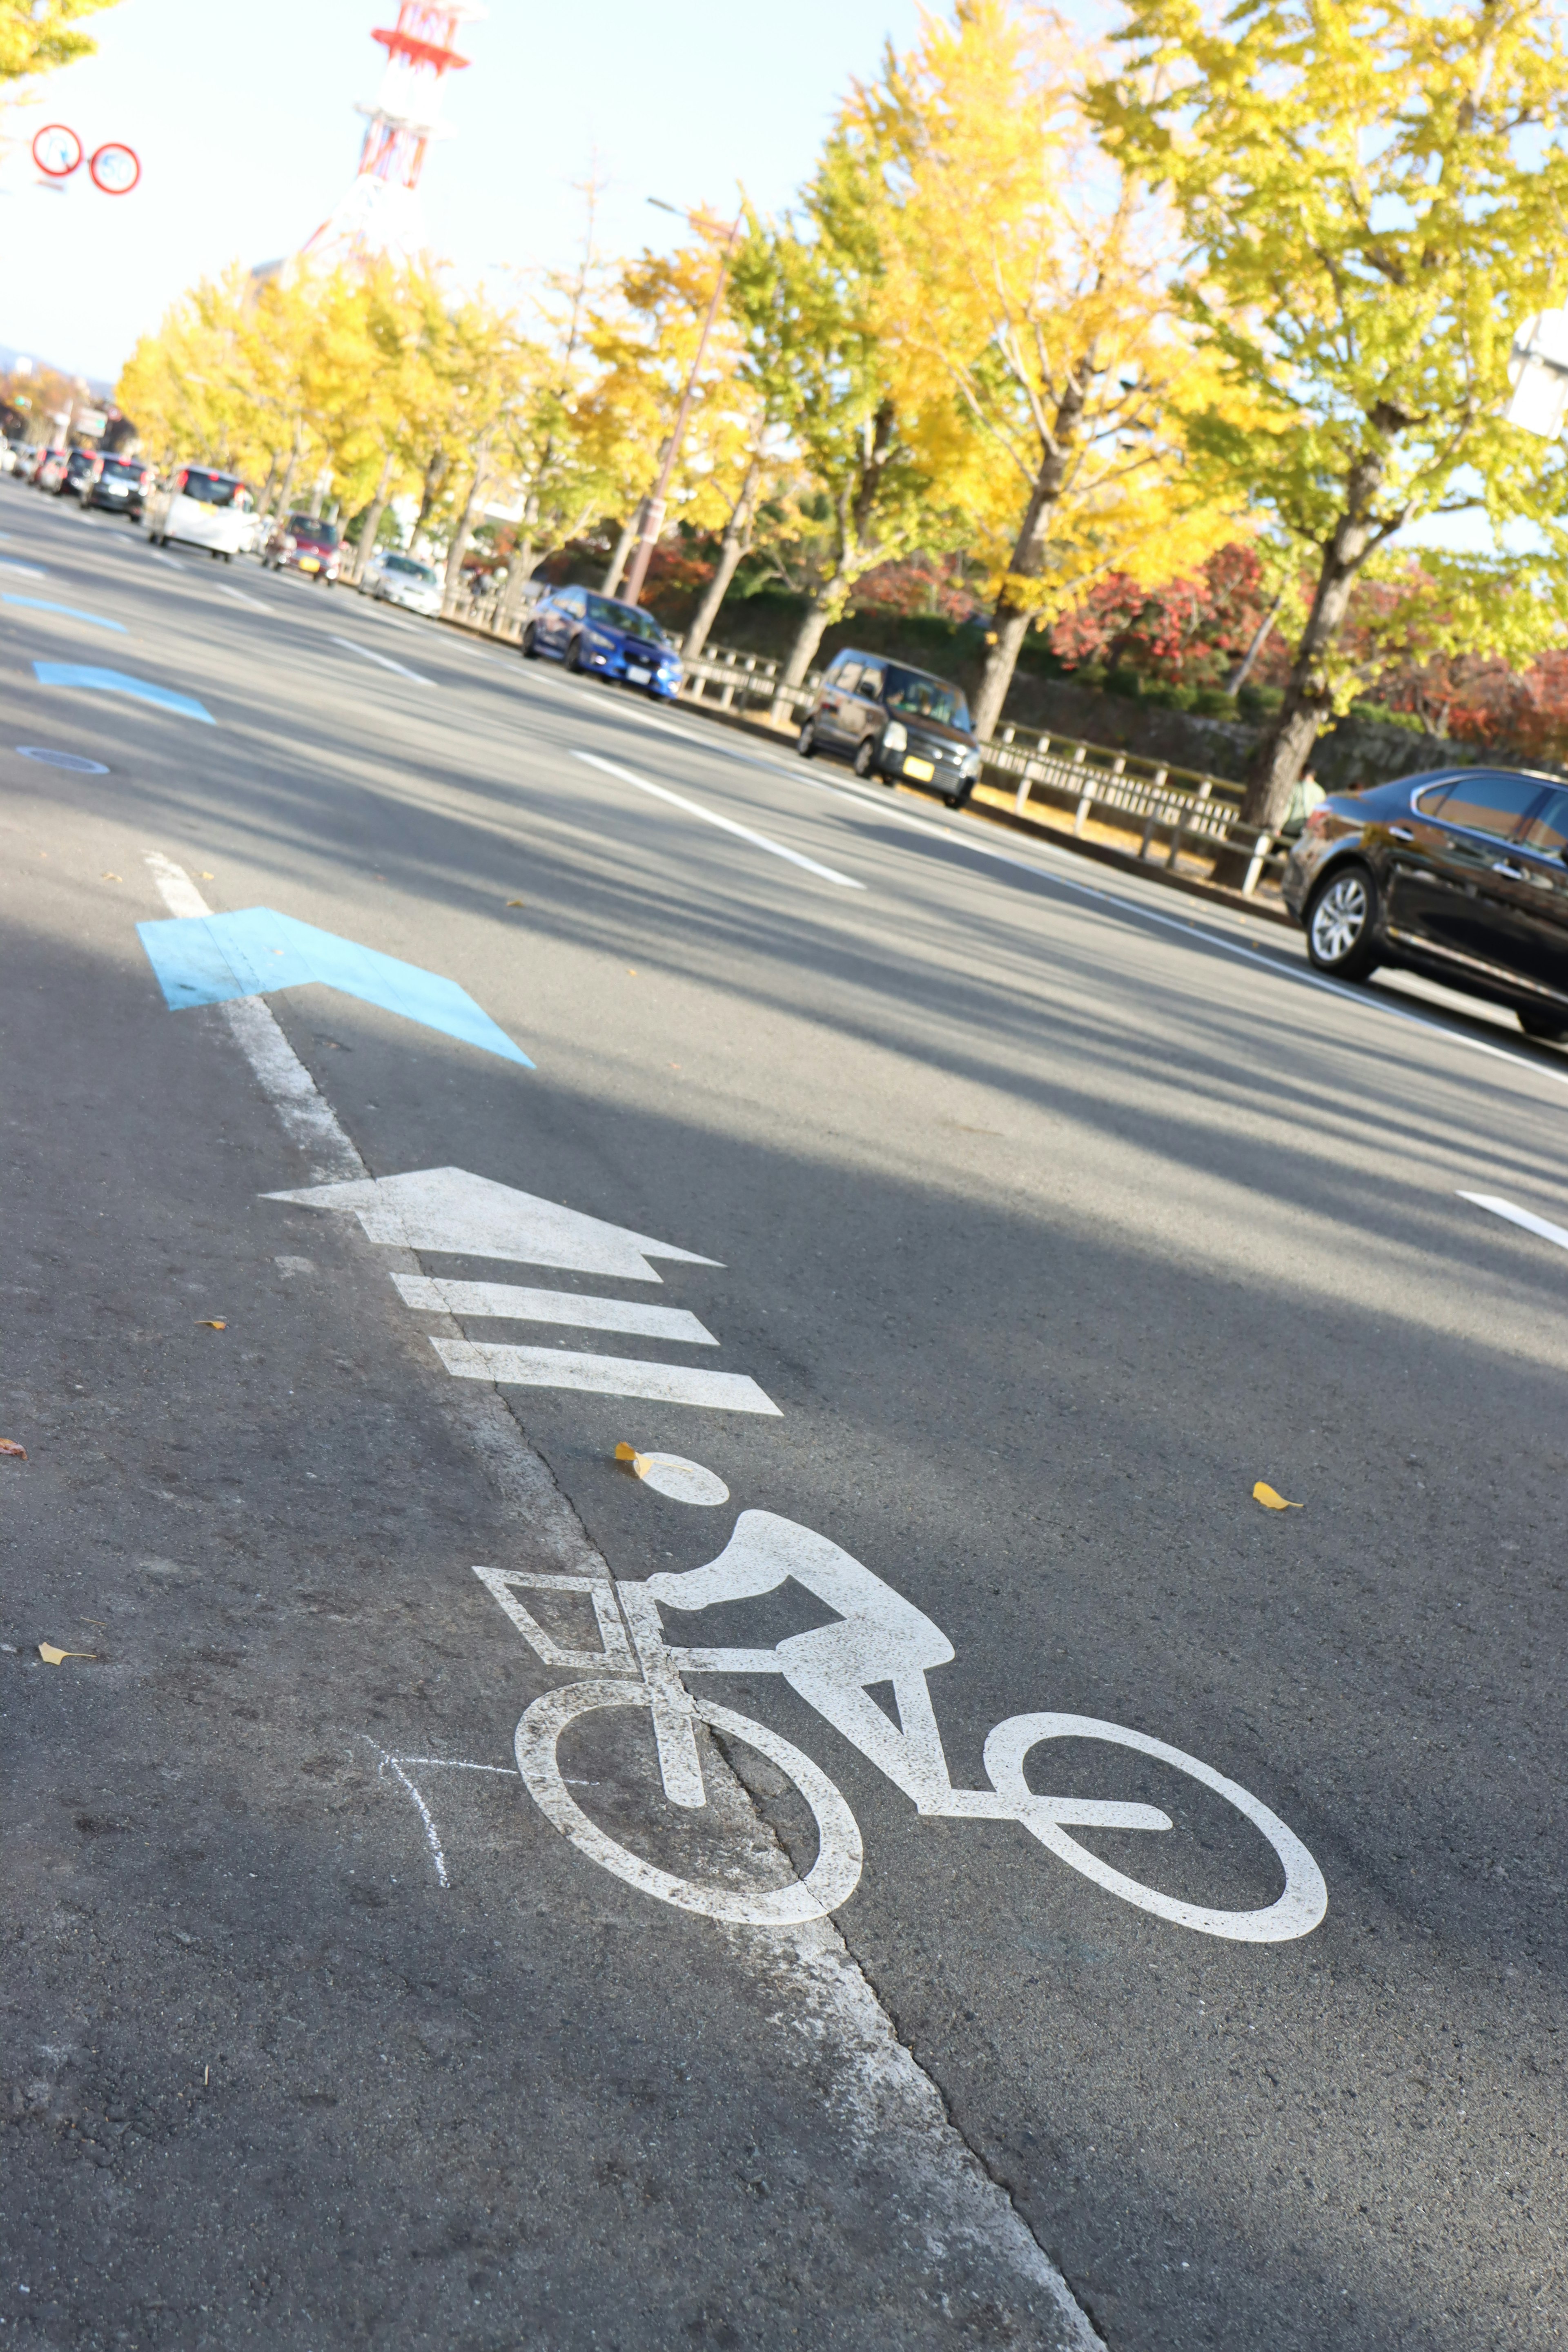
[242,113]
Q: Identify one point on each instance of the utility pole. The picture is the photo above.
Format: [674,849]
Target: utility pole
[652,519]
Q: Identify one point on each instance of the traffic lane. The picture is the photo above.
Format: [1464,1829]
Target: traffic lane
[228,1940]
[1036,1568]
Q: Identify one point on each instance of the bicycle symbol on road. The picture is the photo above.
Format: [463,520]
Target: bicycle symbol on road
[877,1637]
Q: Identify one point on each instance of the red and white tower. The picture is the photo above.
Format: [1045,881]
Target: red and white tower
[380,214]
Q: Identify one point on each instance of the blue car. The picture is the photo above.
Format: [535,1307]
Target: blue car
[601,637]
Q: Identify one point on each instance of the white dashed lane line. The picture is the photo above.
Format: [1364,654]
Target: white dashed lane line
[384,661]
[724,823]
[1525,1217]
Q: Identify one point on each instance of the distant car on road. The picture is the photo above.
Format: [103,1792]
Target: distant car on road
[403,579]
[603,637]
[199,507]
[1460,874]
[894,722]
[303,542]
[118,484]
[50,470]
[78,468]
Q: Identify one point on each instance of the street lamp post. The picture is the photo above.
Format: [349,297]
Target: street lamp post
[652,521]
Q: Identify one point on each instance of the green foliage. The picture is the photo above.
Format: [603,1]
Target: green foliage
[1375,195]
[38,35]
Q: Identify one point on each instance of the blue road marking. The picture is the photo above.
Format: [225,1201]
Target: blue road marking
[72,612]
[118,681]
[208,959]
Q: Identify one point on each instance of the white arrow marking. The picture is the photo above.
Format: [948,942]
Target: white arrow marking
[618,1376]
[462,1215]
[725,824]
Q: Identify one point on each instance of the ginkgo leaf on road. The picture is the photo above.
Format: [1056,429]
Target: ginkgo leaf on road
[1265,1494]
[9,1446]
[52,1657]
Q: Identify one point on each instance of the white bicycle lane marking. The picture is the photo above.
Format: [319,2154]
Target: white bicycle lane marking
[878,1637]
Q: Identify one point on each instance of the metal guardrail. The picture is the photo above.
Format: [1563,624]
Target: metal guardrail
[1180,811]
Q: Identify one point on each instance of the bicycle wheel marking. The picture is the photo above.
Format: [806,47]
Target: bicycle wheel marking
[1295,1913]
[830,1881]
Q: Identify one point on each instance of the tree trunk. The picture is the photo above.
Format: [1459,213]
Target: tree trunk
[264,503]
[370,528]
[517,579]
[630,532]
[290,470]
[436,473]
[734,544]
[1260,637]
[1283,755]
[818,617]
[468,519]
[1010,622]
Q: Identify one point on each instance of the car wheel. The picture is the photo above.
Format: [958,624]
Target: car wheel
[864,757]
[1340,923]
[226,556]
[530,643]
[960,798]
[574,657]
[1549,1027]
[805,741]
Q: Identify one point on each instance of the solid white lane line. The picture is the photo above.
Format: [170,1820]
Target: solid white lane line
[1531,1224]
[308,1118]
[240,597]
[522,1304]
[725,824]
[384,660]
[617,1376]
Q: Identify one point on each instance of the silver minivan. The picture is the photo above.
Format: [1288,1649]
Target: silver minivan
[904,725]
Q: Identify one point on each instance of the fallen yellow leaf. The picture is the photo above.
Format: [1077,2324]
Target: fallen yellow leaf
[111,877]
[624,1452]
[9,1446]
[211,1323]
[515,902]
[205,876]
[1271,1501]
[54,1657]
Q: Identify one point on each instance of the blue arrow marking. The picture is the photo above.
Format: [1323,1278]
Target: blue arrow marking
[117,681]
[42,604]
[208,959]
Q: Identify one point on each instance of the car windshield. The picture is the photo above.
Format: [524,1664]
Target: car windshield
[310,526]
[630,619]
[409,570]
[213,489]
[926,698]
[121,466]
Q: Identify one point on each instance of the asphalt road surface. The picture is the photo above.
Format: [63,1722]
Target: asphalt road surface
[1044,1214]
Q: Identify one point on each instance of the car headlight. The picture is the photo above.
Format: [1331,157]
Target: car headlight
[896,737]
[290,546]
[601,645]
[970,764]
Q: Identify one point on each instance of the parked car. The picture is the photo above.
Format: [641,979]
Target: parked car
[303,542]
[894,722]
[1459,874]
[118,484]
[49,471]
[199,507]
[603,637]
[403,579]
[24,456]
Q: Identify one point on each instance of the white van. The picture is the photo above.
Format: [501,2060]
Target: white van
[202,509]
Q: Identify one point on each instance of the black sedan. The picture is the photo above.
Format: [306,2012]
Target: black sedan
[118,484]
[1461,875]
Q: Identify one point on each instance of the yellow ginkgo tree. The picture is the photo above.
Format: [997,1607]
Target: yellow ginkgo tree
[1375,195]
[1028,274]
